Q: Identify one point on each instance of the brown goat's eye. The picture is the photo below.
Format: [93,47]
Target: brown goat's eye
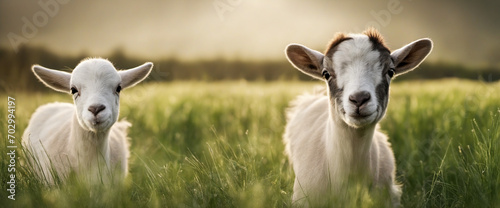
[118,89]
[326,74]
[73,90]
[391,73]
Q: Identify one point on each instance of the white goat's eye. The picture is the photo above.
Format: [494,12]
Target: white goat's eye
[73,90]
[118,89]
[391,73]
[326,74]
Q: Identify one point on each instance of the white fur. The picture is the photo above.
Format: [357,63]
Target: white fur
[362,73]
[324,153]
[329,148]
[65,137]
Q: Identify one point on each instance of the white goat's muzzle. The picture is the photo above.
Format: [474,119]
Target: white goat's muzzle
[97,117]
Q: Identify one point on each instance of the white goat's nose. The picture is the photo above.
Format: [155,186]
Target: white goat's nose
[359,98]
[96,108]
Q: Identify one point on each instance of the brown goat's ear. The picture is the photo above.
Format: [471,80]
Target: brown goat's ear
[410,56]
[57,80]
[305,60]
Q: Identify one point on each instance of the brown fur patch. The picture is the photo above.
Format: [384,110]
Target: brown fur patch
[339,38]
[377,39]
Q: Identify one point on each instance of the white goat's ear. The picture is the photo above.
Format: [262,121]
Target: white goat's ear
[306,60]
[57,80]
[131,77]
[410,56]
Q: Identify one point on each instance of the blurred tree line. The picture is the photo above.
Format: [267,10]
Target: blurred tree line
[16,69]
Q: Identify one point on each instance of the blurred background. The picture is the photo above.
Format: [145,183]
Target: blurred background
[215,40]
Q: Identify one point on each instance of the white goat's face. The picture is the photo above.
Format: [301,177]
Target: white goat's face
[96,90]
[95,85]
[358,70]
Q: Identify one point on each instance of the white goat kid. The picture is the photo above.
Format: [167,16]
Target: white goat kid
[334,138]
[84,137]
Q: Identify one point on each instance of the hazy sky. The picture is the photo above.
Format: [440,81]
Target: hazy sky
[463,31]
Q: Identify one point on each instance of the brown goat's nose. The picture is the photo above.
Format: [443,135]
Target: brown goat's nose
[359,98]
[95,109]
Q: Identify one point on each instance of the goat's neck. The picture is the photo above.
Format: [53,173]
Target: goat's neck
[348,149]
[89,148]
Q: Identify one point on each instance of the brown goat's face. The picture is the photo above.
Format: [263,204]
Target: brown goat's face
[358,70]
[358,73]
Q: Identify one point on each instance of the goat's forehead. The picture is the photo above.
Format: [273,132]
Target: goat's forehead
[359,49]
[97,70]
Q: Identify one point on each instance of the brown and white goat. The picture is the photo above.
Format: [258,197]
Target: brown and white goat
[331,138]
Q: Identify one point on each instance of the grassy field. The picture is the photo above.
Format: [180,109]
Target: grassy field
[219,145]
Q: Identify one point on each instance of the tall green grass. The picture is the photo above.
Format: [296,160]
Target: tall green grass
[219,145]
